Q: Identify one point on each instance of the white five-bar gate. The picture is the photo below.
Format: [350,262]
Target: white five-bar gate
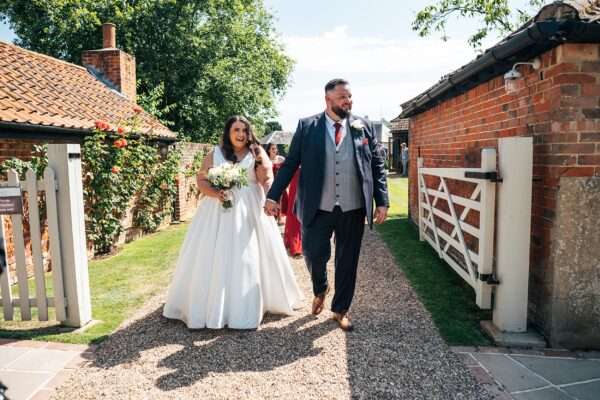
[63,193]
[467,214]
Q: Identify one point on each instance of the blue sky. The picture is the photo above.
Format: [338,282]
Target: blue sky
[370,43]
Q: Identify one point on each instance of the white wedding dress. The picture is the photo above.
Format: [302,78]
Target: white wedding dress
[233,266]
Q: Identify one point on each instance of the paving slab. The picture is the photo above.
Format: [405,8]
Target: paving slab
[22,385]
[42,360]
[512,375]
[10,354]
[584,391]
[561,371]
[32,369]
[543,394]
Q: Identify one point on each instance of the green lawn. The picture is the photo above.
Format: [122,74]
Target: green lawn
[119,285]
[449,299]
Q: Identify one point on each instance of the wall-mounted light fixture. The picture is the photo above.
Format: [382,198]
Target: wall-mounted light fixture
[512,77]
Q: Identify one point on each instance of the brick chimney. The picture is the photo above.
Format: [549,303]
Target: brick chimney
[114,65]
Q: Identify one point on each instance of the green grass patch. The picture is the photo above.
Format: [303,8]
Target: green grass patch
[119,285]
[449,299]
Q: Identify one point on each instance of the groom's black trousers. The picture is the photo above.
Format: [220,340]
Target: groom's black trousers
[316,245]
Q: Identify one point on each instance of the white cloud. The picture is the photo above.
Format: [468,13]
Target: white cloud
[383,72]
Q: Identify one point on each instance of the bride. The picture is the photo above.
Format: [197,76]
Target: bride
[233,266]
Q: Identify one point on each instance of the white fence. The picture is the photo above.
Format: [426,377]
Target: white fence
[465,228]
[63,191]
[41,301]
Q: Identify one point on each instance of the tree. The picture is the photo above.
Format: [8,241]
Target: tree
[272,126]
[495,15]
[213,58]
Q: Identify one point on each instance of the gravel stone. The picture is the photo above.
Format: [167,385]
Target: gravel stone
[395,351]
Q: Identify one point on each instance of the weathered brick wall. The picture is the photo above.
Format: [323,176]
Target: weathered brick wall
[10,148]
[559,105]
[187,197]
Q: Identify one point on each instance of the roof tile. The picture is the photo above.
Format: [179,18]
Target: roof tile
[40,90]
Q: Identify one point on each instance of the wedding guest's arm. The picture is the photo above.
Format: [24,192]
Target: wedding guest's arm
[264,167]
[204,186]
[289,167]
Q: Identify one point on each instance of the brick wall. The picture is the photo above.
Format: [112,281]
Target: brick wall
[559,105]
[10,148]
[187,196]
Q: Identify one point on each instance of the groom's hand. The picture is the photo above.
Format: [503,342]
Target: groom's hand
[271,208]
[380,214]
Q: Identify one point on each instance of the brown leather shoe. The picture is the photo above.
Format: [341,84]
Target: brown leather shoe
[343,321]
[319,302]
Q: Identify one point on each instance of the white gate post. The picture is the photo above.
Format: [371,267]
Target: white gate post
[486,227]
[420,163]
[513,233]
[65,160]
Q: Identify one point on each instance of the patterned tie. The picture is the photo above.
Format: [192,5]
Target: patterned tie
[338,133]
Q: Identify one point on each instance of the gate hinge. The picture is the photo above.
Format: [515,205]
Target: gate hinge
[490,279]
[490,176]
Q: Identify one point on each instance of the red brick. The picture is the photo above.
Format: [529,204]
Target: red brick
[578,171]
[592,159]
[573,148]
[573,78]
[590,66]
[590,89]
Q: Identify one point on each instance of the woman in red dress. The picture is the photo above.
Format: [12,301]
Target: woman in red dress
[292,236]
[277,161]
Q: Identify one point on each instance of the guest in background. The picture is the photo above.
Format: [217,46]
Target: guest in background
[292,237]
[277,161]
[404,158]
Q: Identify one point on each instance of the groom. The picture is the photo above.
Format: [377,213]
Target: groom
[342,173]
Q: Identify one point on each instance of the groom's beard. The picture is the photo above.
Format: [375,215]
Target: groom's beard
[340,112]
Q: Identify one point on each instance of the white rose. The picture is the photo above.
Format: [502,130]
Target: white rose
[358,125]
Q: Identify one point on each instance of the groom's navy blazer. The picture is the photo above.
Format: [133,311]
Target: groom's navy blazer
[307,150]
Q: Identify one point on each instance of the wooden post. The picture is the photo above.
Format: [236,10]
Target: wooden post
[420,197]
[486,229]
[36,245]
[513,233]
[5,280]
[65,160]
[20,258]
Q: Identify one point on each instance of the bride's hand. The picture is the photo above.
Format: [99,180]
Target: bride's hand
[255,149]
[219,194]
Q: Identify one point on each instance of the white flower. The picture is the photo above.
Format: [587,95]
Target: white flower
[358,125]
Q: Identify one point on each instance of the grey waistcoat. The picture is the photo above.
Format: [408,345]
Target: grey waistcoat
[341,183]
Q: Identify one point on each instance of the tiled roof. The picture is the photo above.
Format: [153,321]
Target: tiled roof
[39,90]
[400,124]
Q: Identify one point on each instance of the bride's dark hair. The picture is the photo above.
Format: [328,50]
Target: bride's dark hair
[226,144]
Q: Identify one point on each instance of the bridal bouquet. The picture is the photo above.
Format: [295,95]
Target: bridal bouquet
[226,177]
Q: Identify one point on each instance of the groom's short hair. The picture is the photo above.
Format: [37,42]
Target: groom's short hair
[335,82]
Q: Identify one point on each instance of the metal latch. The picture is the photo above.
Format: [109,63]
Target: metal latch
[490,279]
[490,176]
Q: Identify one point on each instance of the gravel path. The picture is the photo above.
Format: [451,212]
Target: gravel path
[394,352]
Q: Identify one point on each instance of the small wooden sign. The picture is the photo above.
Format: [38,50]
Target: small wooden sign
[11,202]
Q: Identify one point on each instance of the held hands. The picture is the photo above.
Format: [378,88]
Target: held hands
[380,215]
[271,208]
